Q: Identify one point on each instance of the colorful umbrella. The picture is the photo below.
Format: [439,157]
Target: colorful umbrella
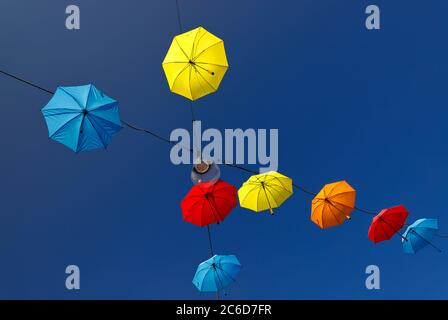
[208,203]
[420,234]
[265,191]
[216,273]
[195,63]
[387,223]
[82,118]
[333,204]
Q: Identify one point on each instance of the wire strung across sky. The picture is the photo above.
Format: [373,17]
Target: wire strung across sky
[166,140]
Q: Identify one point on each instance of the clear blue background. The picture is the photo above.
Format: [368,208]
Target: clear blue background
[366,106]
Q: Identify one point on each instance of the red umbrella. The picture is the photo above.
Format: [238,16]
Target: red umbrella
[387,223]
[208,203]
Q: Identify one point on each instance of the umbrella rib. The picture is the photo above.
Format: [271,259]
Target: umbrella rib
[282,187]
[185,54]
[197,44]
[64,126]
[279,180]
[192,47]
[189,82]
[104,107]
[332,213]
[340,203]
[272,188]
[178,75]
[225,272]
[342,212]
[331,191]
[75,99]
[199,54]
[197,79]
[339,193]
[394,229]
[424,239]
[382,230]
[175,62]
[96,130]
[258,197]
[190,209]
[69,111]
[273,198]
[320,202]
[207,81]
[248,192]
[103,119]
[215,211]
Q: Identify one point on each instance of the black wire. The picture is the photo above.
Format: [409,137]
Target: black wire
[303,189]
[26,82]
[193,118]
[179,20]
[181,29]
[366,211]
[240,168]
[155,135]
[210,241]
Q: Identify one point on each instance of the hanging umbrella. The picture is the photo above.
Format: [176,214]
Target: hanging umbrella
[195,63]
[208,203]
[420,234]
[82,118]
[387,223]
[265,191]
[216,273]
[333,204]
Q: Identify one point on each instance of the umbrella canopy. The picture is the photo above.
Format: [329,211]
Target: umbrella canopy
[420,234]
[82,118]
[387,223]
[195,63]
[265,191]
[216,273]
[208,203]
[333,204]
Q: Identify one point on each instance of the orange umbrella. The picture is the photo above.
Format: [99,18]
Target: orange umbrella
[333,204]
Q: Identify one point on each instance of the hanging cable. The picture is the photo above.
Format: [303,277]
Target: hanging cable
[155,135]
[365,211]
[210,241]
[26,82]
[159,137]
[303,189]
[181,30]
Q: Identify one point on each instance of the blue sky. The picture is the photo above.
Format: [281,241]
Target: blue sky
[365,106]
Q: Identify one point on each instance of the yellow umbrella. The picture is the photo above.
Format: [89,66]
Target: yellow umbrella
[265,191]
[333,204]
[195,63]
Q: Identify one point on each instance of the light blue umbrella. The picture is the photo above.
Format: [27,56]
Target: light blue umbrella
[216,273]
[420,234]
[82,118]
